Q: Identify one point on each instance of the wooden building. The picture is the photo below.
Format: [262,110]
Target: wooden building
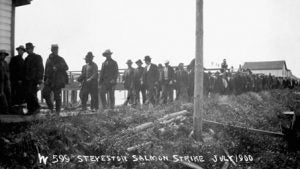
[7,23]
[276,68]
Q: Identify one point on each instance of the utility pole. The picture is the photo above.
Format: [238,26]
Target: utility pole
[198,86]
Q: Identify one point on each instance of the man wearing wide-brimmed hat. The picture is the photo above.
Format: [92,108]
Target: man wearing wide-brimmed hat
[55,78]
[4,83]
[128,80]
[138,74]
[108,79]
[89,81]
[17,76]
[34,71]
[150,79]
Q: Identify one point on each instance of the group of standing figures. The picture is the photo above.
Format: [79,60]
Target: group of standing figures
[21,79]
[156,83]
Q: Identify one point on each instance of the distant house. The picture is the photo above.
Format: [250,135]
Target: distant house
[276,68]
[7,23]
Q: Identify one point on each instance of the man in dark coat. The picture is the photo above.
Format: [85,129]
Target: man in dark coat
[138,73]
[167,83]
[89,81]
[150,79]
[17,77]
[128,80]
[4,83]
[158,86]
[55,78]
[34,71]
[181,81]
[108,79]
[224,66]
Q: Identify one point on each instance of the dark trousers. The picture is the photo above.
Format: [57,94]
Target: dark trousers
[137,95]
[110,91]
[4,98]
[31,97]
[130,97]
[89,89]
[151,94]
[167,92]
[17,93]
[57,97]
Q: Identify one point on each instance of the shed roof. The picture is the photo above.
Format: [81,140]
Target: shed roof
[21,2]
[265,65]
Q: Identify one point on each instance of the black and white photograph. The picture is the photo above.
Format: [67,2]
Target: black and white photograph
[149,84]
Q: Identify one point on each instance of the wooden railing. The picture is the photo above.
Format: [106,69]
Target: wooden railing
[70,94]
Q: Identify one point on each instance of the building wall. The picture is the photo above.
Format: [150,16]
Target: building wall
[6,25]
[278,73]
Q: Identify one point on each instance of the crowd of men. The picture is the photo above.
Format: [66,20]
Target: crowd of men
[21,79]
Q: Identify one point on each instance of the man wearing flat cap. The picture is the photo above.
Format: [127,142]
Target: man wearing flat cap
[34,71]
[17,77]
[89,83]
[55,78]
[4,83]
[138,75]
[108,79]
[128,80]
[150,79]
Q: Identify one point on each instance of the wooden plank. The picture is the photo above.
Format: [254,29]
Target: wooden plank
[6,8]
[4,13]
[6,2]
[5,46]
[130,149]
[258,131]
[5,26]
[5,33]
[191,165]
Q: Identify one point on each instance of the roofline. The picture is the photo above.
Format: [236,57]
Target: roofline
[269,61]
[18,3]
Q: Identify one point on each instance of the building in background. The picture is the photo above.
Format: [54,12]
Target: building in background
[7,23]
[276,68]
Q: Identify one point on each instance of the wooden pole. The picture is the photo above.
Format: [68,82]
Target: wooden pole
[198,86]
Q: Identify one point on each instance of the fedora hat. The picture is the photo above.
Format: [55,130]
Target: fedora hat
[129,61]
[4,52]
[21,47]
[29,45]
[147,58]
[139,61]
[54,46]
[107,52]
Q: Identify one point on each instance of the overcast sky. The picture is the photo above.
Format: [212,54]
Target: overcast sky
[238,30]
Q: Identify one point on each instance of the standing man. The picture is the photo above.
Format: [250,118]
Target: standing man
[17,77]
[167,83]
[89,81]
[128,80]
[150,79]
[108,79]
[34,71]
[181,80]
[55,78]
[224,66]
[4,84]
[138,75]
